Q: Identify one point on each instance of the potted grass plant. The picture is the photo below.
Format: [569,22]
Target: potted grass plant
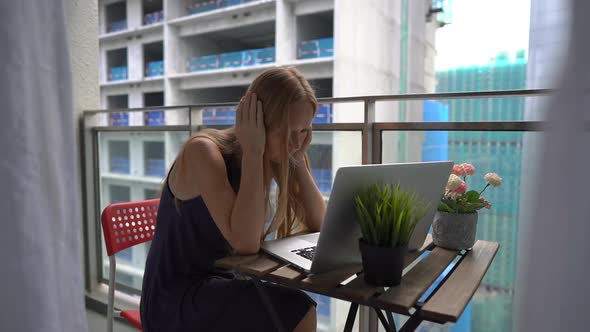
[387,216]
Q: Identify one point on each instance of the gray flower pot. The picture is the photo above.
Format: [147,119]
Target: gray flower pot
[454,231]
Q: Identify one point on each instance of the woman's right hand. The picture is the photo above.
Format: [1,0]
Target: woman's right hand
[250,129]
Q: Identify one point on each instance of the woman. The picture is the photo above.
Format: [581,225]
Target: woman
[214,203]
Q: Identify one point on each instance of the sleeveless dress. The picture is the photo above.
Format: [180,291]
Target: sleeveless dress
[183,291]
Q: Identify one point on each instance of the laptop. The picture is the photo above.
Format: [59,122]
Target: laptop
[336,244]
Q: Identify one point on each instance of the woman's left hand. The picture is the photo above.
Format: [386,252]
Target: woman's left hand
[299,155]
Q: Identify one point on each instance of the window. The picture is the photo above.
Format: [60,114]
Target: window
[119,157]
[153,59]
[117,65]
[151,193]
[320,157]
[119,194]
[118,102]
[153,11]
[154,163]
[315,35]
[154,118]
[116,16]
[245,46]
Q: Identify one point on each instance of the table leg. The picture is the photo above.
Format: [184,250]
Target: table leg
[412,323]
[391,321]
[351,317]
[368,320]
[373,321]
[388,326]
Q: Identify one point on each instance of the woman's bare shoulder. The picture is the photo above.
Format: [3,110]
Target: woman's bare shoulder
[199,156]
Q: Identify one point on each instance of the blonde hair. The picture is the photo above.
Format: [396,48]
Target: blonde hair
[276,88]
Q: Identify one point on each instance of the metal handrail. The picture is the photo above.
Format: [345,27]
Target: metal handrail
[371,130]
[374,98]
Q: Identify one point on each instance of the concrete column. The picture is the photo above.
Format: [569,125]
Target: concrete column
[175,62]
[102,18]
[134,16]
[135,101]
[362,66]
[286,32]
[134,60]
[420,74]
[173,9]
[82,28]
[358,67]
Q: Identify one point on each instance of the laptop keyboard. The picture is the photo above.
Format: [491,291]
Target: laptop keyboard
[305,252]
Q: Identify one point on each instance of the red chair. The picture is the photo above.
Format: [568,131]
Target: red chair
[125,225]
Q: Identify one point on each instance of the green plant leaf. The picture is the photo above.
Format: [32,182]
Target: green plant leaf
[452,204]
[363,216]
[472,207]
[444,207]
[388,215]
[471,196]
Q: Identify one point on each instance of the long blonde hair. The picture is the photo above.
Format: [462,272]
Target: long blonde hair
[277,88]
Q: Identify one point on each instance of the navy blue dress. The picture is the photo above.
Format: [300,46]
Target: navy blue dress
[183,291]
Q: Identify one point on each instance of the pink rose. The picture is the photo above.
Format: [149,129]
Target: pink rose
[461,189]
[459,170]
[485,202]
[453,183]
[468,168]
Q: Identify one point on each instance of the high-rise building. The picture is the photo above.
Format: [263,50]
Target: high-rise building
[498,152]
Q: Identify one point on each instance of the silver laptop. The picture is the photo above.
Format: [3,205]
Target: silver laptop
[337,242]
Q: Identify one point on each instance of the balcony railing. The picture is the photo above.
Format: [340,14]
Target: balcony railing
[484,128]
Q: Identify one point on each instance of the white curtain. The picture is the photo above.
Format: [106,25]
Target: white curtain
[40,263]
[554,267]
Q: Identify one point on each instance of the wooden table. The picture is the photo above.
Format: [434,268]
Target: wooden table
[443,304]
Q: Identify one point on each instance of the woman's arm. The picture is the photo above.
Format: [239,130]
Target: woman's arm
[311,198]
[247,219]
[308,193]
[239,217]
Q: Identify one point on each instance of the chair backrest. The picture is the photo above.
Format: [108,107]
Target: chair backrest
[127,224]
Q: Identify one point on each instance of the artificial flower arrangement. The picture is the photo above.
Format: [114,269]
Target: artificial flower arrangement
[457,199]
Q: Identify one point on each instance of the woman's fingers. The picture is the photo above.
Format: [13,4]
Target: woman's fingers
[259,115]
[250,124]
[252,109]
[308,138]
[249,112]
[240,111]
[244,109]
[246,114]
